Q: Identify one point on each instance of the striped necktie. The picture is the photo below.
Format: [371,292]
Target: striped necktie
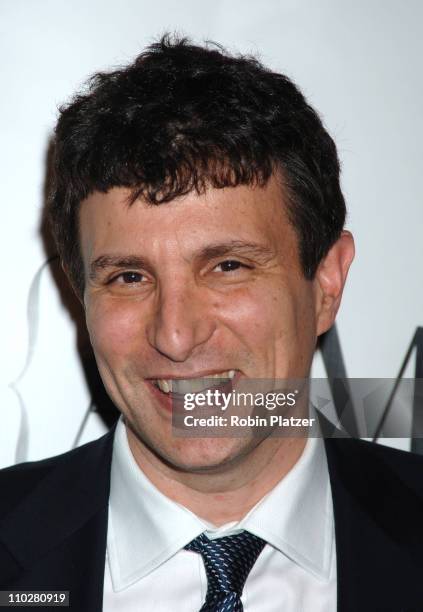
[228,561]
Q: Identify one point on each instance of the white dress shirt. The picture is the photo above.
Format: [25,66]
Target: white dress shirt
[147,567]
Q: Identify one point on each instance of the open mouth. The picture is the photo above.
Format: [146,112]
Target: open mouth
[177,388]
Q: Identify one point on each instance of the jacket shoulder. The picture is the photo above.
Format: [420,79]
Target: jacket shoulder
[20,480]
[363,458]
[368,449]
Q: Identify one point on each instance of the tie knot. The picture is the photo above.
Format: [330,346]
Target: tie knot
[228,561]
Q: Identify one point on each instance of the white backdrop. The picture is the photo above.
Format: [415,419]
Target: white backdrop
[359,63]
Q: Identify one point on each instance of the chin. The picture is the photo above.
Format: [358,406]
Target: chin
[198,455]
[183,453]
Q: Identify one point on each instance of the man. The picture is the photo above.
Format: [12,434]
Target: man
[198,214]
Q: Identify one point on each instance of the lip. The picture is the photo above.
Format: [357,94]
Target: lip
[204,374]
[174,402]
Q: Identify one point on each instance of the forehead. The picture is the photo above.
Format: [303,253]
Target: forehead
[108,222]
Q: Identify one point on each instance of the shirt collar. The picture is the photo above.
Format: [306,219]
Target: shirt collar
[146,528]
[296,516]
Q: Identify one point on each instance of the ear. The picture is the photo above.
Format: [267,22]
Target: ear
[330,280]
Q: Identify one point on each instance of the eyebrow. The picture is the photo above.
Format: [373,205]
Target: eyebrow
[236,247]
[258,251]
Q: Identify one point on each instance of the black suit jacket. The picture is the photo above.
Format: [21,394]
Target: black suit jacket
[53,525]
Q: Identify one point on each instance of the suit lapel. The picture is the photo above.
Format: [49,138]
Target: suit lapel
[379,545]
[64,544]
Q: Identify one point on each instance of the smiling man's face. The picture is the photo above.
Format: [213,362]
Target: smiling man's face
[202,285]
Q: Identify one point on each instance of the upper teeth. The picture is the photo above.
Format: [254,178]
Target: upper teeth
[191,385]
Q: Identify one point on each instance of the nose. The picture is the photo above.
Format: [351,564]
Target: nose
[181,321]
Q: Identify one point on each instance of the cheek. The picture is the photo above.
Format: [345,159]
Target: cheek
[268,316]
[114,329]
[256,316]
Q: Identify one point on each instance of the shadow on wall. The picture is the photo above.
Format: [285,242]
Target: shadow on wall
[100,401]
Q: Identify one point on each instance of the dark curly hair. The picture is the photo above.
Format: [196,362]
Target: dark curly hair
[183,117]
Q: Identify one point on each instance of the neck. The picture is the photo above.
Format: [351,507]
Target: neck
[226,494]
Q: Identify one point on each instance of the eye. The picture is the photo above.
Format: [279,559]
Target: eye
[129,278]
[230,265]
